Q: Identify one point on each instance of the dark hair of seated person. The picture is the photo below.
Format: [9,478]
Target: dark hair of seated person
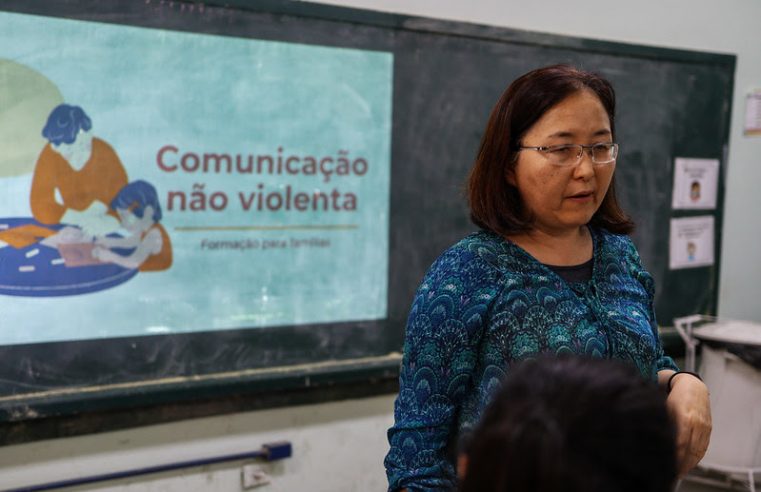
[573,425]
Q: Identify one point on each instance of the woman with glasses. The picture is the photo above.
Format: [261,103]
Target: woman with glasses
[552,271]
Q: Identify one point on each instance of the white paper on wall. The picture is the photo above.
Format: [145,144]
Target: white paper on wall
[695,183]
[691,242]
[753,113]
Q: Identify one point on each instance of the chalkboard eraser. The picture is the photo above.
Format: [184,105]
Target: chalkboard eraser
[277,450]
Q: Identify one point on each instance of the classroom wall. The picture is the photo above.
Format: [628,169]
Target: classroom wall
[340,446]
[336,446]
[724,27]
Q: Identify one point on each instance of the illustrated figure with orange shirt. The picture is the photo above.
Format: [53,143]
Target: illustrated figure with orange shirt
[137,205]
[77,175]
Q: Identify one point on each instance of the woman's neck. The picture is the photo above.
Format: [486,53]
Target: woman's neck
[559,248]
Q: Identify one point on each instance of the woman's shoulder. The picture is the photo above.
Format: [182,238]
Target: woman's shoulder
[480,247]
[100,146]
[483,244]
[474,258]
[617,246]
[50,158]
[618,252]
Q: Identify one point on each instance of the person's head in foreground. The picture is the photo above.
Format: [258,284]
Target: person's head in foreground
[572,425]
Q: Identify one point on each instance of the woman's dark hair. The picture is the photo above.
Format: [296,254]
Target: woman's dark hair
[64,123]
[573,424]
[495,204]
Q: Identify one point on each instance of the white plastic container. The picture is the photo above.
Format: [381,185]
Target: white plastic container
[735,387]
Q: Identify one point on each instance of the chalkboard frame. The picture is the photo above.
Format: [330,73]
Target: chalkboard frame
[294,372]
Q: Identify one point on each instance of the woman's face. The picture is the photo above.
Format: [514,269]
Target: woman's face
[78,152]
[561,199]
[134,224]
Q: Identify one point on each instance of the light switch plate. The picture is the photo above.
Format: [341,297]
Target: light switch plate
[253,476]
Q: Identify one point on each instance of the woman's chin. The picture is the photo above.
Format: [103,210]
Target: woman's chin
[575,221]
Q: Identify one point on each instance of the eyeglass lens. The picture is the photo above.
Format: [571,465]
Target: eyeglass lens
[570,154]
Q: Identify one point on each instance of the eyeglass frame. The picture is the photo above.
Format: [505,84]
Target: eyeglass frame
[580,154]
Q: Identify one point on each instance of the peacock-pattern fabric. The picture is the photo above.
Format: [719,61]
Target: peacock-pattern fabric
[486,304]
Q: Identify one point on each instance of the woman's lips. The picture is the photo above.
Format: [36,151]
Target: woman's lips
[582,196]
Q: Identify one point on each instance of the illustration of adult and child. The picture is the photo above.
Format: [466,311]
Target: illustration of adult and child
[84,204]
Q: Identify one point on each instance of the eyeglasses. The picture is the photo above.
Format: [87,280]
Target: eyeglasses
[570,154]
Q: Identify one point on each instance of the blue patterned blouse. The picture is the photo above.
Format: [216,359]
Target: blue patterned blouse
[486,304]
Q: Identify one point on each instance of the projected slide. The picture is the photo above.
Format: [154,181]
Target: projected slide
[157,182]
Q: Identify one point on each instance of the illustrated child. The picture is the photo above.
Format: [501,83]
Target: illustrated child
[139,211]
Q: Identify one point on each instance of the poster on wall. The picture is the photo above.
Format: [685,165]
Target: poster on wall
[696,182]
[156,182]
[753,113]
[691,242]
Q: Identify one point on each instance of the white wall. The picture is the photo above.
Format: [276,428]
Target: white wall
[336,446]
[339,446]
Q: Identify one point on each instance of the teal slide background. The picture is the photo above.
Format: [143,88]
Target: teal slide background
[144,89]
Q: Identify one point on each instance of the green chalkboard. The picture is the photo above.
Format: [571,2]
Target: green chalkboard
[446,78]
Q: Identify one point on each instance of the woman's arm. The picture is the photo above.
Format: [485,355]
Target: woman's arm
[689,405]
[42,198]
[440,352]
[150,245]
[131,241]
[688,400]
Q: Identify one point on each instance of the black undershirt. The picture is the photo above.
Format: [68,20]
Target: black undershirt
[574,273]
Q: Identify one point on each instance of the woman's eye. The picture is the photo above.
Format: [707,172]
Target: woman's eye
[559,150]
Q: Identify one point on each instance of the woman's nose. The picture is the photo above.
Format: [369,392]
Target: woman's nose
[585,168]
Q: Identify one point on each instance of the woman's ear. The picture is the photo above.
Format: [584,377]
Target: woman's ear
[510,169]
[510,174]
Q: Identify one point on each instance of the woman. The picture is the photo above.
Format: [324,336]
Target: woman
[76,175]
[551,271]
